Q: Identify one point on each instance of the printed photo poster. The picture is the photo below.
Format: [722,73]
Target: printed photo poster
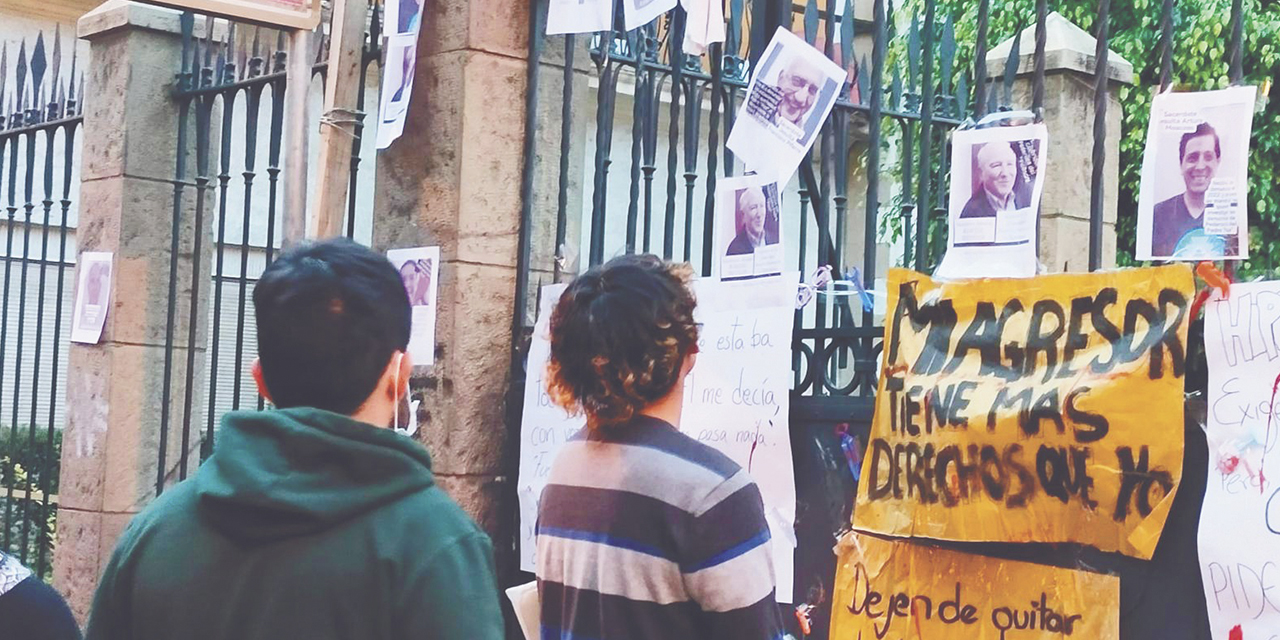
[737,400]
[748,229]
[397,87]
[1006,409]
[93,297]
[637,13]
[997,177]
[579,16]
[1193,197]
[907,591]
[404,17]
[420,269]
[790,96]
[1239,536]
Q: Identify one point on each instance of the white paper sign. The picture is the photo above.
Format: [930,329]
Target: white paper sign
[638,13]
[748,227]
[93,297]
[737,400]
[790,96]
[1194,192]
[420,269]
[997,177]
[1239,537]
[397,87]
[579,16]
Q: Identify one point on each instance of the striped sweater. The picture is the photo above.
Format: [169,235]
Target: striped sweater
[646,534]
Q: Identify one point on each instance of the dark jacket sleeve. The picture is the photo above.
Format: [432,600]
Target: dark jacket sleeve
[32,610]
[109,618]
[453,593]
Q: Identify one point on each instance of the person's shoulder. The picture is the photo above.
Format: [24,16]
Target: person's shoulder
[740,245]
[1166,208]
[975,207]
[690,452]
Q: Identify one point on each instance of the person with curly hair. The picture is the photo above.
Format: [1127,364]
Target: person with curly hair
[643,532]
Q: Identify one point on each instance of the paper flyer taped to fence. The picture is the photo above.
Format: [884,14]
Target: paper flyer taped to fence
[637,13]
[404,21]
[1239,535]
[748,227]
[93,297]
[579,16]
[1006,409]
[997,177]
[420,270]
[907,591]
[1193,200]
[737,400]
[790,96]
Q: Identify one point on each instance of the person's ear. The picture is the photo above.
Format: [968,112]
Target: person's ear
[256,370]
[689,361]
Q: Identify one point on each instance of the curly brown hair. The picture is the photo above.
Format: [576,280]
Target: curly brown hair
[620,334]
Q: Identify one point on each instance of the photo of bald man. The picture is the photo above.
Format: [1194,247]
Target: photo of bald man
[995,165]
[798,83]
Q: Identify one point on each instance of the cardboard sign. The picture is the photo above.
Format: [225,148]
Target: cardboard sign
[1239,537]
[898,590]
[289,14]
[737,400]
[1040,410]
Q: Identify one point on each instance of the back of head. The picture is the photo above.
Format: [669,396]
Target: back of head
[330,315]
[620,335]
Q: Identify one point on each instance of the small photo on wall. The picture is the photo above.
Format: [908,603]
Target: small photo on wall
[1193,198]
[748,229]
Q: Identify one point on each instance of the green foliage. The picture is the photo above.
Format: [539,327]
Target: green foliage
[1200,62]
[29,461]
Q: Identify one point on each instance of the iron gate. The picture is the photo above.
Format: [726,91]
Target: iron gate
[585,196]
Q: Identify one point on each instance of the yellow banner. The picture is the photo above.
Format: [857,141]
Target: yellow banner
[899,591]
[1047,409]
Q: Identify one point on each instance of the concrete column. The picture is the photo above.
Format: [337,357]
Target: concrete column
[1068,113]
[114,389]
[453,180]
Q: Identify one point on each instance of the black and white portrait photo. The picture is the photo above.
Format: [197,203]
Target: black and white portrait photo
[791,94]
[748,227]
[997,177]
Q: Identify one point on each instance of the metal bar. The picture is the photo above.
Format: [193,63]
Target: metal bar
[524,248]
[873,165]
[68,155]
[1166,45]
[204,112]
[4,312]
[980,61]
[357,141]
[1237,41]
[166,394]
[607,76]
[675,38]
[220,250]
[28,207]
[716,53]
[638,119]
[1097,201]
[926,141]
[692,123]
[566,144]
[1037,86]
[295,163]
[274,151]
[252,109]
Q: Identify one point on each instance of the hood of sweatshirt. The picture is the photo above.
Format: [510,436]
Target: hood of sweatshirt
[295,472]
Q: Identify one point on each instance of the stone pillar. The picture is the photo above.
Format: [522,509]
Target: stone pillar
[1068,113]
[114,390]
[453,180]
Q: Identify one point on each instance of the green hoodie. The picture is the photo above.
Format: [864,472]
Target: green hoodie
[303,524]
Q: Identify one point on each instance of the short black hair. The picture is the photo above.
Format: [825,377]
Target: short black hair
[1202,129]
[330,315]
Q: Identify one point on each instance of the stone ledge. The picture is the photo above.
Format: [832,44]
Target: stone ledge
[1067,48]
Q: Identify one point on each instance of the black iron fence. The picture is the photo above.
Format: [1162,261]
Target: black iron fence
[40,115]
[230,93]
[612,113]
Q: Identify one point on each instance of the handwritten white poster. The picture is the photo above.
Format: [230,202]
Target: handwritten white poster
[1239,533]
[737,400]
[93,297]
[420,269]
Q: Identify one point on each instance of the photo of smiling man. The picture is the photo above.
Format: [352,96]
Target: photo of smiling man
[747,227]
[996,167]
[1192,203]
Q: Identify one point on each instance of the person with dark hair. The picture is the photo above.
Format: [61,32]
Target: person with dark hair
[1177,224]
[643,532]
[312,520]
[31,609]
